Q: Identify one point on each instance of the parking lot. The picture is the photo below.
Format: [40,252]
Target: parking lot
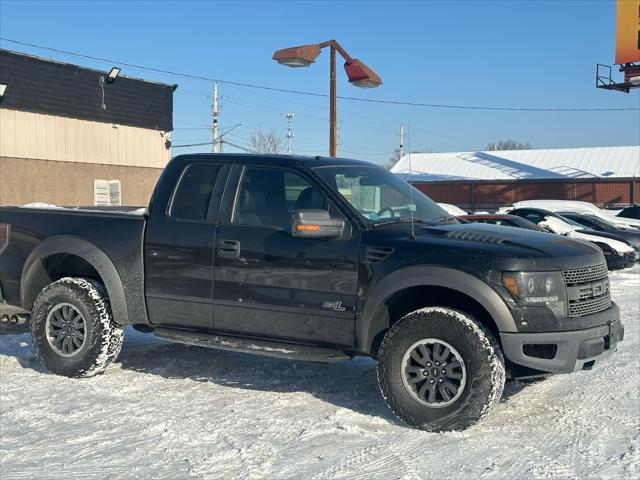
[166,410]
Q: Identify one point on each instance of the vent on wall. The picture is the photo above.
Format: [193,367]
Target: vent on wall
[107,193]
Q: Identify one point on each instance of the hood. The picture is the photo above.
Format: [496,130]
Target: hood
[500,247]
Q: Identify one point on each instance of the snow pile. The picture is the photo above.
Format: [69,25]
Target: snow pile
[42,206]
[168,411]
[49,206]
[138,211]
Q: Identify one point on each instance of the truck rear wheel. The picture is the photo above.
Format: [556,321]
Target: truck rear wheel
[73,330]
[439,369]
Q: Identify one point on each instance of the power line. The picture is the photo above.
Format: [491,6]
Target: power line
[193,144]
[315,94]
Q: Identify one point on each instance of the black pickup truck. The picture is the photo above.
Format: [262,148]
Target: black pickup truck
[312,259]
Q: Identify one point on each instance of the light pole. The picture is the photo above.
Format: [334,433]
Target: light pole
[220,140]
[358,73]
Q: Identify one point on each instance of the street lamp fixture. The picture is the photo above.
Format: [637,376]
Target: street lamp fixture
[295,57]
[359,75]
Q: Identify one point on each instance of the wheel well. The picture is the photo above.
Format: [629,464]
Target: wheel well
[57,266]
[413,298]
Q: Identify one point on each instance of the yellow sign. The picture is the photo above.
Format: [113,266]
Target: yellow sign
[627,31]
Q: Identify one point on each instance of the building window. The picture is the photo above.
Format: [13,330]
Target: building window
[107,193]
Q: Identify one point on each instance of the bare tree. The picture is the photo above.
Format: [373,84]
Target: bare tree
[266,142]
[509,145]
[395,157]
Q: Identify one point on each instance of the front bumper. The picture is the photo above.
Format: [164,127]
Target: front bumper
[618,262]
[564,352]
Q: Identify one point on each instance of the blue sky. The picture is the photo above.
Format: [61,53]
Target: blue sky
[497,53]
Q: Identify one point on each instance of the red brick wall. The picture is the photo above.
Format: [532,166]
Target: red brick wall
[502,193]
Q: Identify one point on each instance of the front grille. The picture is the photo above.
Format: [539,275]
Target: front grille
[587,290]
[587,307]
[582,275]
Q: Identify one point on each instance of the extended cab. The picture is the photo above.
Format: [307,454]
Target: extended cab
[314,259]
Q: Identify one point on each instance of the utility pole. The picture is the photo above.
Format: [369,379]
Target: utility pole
[290,116]
[333,140]
[214,127]
[401,141]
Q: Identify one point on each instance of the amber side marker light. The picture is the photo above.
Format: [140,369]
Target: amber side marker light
[308,227]
[511,285]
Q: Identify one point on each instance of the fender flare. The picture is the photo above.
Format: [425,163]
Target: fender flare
[373,319]
[94,256]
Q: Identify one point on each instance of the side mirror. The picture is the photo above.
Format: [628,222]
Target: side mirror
[315,224]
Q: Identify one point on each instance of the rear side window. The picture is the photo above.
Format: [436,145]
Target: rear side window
[193,195]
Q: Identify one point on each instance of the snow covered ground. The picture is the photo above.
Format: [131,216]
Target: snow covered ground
[170,411]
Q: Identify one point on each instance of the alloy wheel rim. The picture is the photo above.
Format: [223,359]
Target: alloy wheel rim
[433,373]
[66,329]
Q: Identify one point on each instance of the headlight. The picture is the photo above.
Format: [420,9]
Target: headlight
[538,289]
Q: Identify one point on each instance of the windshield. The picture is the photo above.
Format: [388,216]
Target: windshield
[601,223]
[382,197]
[574,223]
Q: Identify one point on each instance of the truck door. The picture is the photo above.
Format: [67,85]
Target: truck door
[179,248]
[269,283]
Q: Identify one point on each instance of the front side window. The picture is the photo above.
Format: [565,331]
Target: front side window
[193,195]
[268,197]
[382,197]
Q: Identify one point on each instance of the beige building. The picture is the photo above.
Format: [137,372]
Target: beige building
[74,136]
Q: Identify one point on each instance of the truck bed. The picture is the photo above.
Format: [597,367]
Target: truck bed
[118,232]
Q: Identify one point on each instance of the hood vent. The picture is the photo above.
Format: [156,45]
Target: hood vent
[377,254]
[474,237]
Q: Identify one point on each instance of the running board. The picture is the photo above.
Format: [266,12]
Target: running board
[247,345]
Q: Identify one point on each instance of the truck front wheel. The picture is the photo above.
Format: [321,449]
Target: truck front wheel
[439,369]
[72,328]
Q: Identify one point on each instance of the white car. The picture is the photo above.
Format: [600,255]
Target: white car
[569,228]
[452,209]
[580,207]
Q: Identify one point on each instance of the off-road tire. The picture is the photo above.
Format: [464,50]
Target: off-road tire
[103,338]
[479,351]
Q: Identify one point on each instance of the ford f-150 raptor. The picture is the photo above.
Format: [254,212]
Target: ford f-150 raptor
[318,259]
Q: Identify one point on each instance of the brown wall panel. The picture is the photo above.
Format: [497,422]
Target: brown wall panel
[485,194]
[69,183]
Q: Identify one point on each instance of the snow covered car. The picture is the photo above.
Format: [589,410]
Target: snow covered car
[452,209]
[580,207]
[317,259]
[504,220]
[629,213]
[598,224]
[618,251]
